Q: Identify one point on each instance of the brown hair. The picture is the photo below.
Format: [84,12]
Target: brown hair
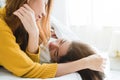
[78,50]
[17,27]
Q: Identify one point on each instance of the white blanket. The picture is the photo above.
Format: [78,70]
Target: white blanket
[5,75]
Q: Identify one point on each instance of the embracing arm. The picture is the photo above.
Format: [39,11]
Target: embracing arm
[16,61]
[93,62]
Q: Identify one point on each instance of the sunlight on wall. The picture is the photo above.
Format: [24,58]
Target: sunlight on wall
[79,12]
[98,13]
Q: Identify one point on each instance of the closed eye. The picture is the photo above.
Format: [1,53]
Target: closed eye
[62,42]
[56,53]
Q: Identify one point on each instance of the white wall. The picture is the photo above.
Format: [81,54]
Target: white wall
[101,37]
[60,11]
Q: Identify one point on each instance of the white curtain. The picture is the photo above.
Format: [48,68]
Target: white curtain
[95,13]
[94,21]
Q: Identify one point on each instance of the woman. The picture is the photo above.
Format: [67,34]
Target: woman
[74,51]
[24,25]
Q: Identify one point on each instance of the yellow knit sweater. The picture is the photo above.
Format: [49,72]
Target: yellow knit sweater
[18,62]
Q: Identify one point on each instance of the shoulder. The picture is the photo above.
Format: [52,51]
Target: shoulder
[4,26]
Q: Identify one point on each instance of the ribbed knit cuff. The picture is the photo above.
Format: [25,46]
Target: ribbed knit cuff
[51,70]
[34,56]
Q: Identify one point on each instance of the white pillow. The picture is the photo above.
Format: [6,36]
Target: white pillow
[63,31]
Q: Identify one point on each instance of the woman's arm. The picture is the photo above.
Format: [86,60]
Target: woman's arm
[33,42]
[94,62]
[17,62]
[27,17]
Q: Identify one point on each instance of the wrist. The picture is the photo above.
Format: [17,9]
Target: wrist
[33,34]
[85,62]
[32,51]
[33,43]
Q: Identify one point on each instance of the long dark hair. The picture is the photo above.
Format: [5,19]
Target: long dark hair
[17,27]
[78,50]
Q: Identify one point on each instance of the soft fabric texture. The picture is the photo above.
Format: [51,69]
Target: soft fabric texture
[63,31]
[5,75]
[18,62]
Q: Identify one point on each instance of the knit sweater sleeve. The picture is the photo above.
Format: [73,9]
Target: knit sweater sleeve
[33,56]
[17,62]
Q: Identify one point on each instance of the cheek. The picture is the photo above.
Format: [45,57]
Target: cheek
[37,9]
[36,6]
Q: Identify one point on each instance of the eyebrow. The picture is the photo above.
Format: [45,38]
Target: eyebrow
[62,42]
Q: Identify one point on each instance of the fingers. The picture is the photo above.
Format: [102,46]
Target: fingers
[27,17]
[26,6]
[102,63]
[18,13]
[100,68]
[97,63]
[25,12]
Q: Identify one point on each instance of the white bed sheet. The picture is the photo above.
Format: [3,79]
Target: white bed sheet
[5,75]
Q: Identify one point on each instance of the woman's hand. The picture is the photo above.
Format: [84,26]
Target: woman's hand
[96,62]
[27,17]
[93,62]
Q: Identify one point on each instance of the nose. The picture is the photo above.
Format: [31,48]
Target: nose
[53,45]
[44,13]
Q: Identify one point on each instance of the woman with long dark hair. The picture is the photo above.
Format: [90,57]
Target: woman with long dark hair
[75,50]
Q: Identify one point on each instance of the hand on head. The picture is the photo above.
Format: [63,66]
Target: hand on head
[75,51]
[96,62]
